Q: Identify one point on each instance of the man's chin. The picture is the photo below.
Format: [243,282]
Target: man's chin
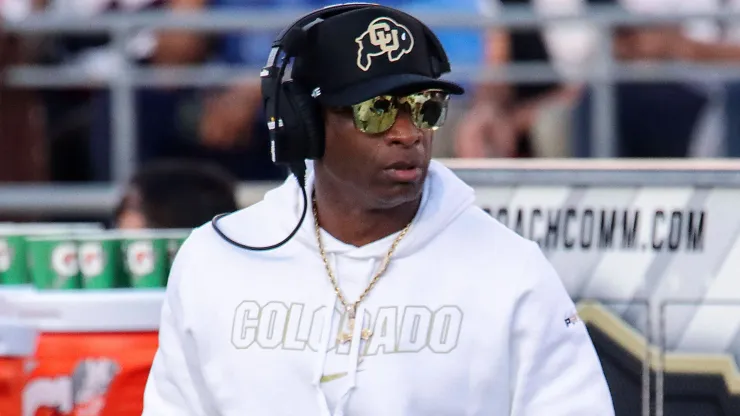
[400,193]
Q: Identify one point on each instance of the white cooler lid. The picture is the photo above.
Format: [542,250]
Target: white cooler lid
[109,310]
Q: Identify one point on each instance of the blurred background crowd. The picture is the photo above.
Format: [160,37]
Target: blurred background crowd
[65,134]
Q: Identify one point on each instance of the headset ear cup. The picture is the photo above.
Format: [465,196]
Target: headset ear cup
[309,114]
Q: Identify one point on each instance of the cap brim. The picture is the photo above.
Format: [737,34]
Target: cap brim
[399,83]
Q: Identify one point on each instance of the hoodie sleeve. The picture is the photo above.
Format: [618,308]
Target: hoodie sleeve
[556,371]
[175,386]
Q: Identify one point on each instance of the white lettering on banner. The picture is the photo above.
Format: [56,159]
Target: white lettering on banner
[55,393]
[81,393]
[275,325]
[92,378]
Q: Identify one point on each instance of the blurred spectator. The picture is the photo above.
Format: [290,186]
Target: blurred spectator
[519,120]
[23,151]
[655,119]
[223,125]
[231,124]
[162,114]
[175,194]
[730,32]
[465,50]
[78,119]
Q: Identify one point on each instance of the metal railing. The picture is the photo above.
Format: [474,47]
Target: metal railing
[671,303]
[99,200]
[654,324]
[602,75]
[647,364]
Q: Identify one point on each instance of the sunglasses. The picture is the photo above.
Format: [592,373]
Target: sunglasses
[428,111]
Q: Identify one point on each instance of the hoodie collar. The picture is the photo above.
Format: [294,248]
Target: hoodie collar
[445,197]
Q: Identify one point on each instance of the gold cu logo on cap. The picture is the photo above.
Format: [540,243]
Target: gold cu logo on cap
[384,36]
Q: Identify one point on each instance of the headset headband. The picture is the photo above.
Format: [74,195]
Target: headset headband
[320,13]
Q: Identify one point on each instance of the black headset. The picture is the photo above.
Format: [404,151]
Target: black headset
[294,119]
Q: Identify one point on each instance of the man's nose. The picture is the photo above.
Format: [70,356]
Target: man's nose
[403,131]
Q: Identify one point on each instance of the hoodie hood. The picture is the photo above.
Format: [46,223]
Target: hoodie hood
[444,198]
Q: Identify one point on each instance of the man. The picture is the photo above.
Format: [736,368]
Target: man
[399,296]
[175,194]
[515,119]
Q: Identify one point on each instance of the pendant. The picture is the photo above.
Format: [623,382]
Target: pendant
[345,337]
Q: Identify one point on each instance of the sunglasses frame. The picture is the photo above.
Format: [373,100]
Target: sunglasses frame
[396,104]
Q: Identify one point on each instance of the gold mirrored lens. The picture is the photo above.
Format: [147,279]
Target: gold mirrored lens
[377,115]
[428,108]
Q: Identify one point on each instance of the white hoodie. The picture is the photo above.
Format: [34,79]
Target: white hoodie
[469,319]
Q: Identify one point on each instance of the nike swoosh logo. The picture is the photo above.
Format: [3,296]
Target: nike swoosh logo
[331,377]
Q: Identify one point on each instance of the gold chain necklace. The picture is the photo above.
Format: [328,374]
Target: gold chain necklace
[351,308]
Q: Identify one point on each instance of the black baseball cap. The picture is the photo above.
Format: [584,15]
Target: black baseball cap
[363,53]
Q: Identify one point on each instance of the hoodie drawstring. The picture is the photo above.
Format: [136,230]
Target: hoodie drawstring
[354,352]
[324,347]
